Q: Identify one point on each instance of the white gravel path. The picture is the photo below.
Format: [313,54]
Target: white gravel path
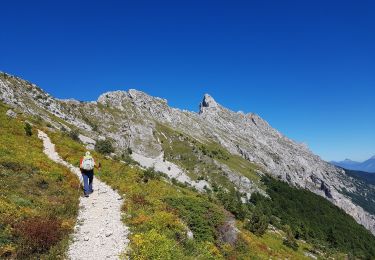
[99,232]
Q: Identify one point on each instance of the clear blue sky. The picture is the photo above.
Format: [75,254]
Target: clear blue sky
[307,67]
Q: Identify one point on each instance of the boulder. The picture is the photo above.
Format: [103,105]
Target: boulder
[228,231]
[10,113]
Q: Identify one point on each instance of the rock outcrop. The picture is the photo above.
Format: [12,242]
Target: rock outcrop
[10,113]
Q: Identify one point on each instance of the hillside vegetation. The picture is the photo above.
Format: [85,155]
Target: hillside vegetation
[363,176]
[160,214]
[364,194]
[315,219]
[304,214]
[168,220]
[163,211]
[39,199]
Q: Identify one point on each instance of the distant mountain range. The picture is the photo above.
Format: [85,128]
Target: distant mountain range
[366,166]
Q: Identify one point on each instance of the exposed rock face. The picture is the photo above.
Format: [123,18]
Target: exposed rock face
[172,170]
[10,113]
[33,100]
[208,102]
[89,142]
[131,118]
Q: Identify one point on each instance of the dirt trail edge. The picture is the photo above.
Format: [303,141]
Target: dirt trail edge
[99,232]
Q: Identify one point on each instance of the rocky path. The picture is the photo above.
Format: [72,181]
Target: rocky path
[99,232]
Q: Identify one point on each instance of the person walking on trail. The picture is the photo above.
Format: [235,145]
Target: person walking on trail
[87,165]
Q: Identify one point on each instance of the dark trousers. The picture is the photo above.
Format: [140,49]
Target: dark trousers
[88,177]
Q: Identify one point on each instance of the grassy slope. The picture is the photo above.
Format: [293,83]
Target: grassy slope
[198,159]
[34,189]
[158,220]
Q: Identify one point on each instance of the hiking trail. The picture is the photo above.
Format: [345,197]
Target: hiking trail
[99,232]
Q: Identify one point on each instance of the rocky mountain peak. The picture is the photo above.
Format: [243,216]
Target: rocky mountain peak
[208,102]
[136,94]
[143,99]
[114,98]
[136,100]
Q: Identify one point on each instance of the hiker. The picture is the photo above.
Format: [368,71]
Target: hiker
[87,165]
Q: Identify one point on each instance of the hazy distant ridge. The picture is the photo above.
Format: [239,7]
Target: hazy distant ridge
[366,166]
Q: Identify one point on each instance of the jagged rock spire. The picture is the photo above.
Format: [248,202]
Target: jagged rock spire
[207,102]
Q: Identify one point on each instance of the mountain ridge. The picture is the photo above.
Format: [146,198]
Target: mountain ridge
[365,166]
[132,119]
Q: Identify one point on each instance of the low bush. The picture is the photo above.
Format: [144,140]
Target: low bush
[202,216]
[125,157]
[290,240]
[37,235]
[154,245]
[258,222]
[74,135]
[139,200]
[150,174]
[232,202]
[104,147]
[28,129]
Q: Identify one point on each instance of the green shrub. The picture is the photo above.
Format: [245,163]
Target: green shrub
[125,157]
[104,146]
[74,134]
[174,181]
[290,240]
[150,174]
[232,202]
[258,222]
[257,198]
[202,216]
[202,178]
[94,127]
[28,129]
[216,152]
[153,245]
